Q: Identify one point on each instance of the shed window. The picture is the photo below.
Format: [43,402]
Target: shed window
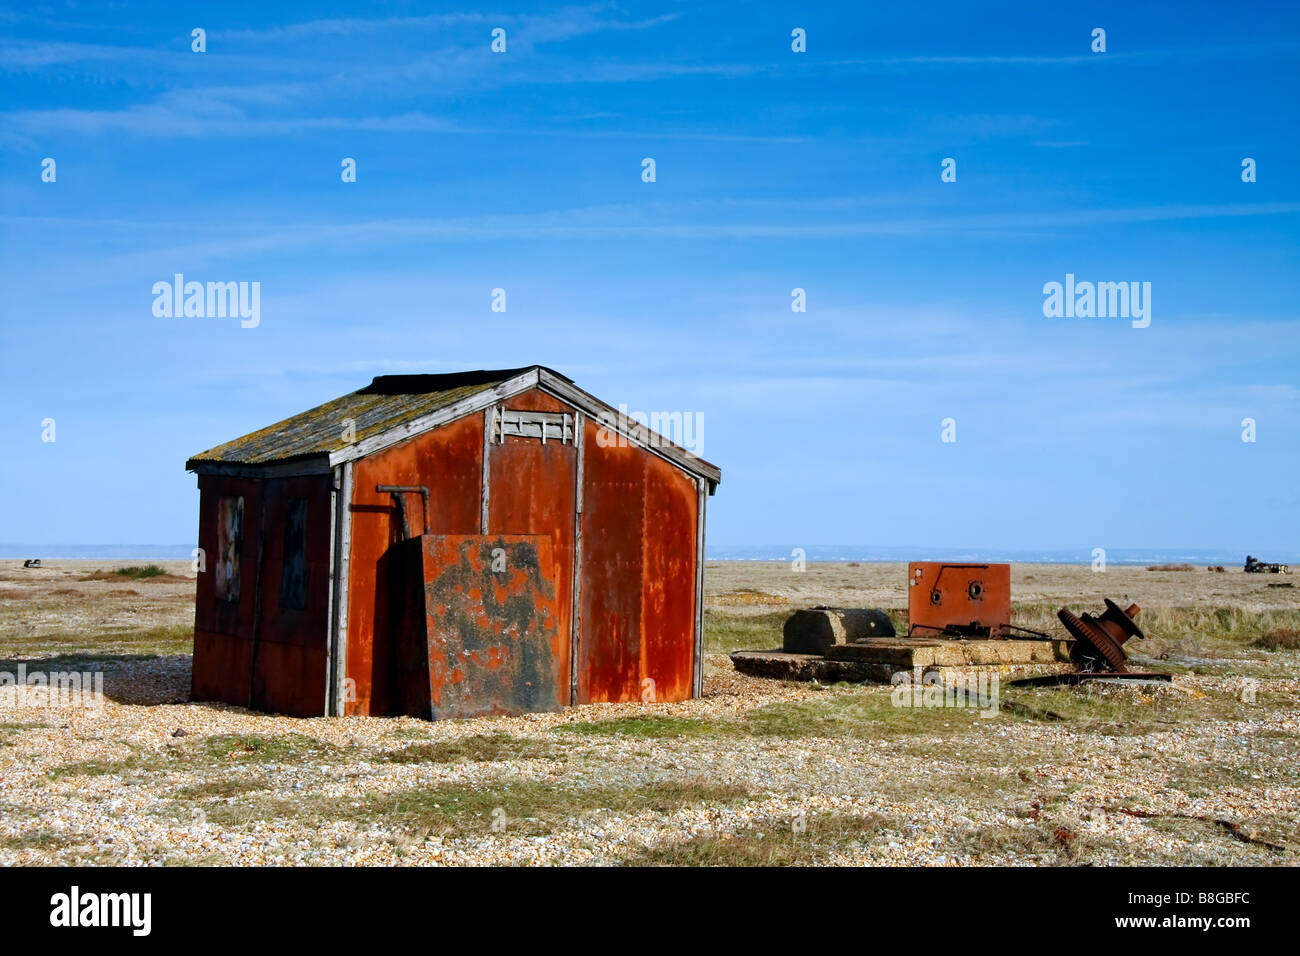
[230,540]
[555,426]
[293,567]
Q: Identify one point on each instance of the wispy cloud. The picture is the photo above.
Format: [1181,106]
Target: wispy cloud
[654,221]
[563,24]
[1226,51]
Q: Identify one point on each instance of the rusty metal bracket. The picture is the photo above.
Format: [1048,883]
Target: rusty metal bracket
[398,493]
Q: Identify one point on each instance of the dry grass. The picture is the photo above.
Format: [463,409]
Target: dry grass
[150,573]
[653,727]
[517,807]
[221,753]
[482,748]
[746,597]
[724,632]
[76,647]
[1170,567]
[799,841]
[1279,639]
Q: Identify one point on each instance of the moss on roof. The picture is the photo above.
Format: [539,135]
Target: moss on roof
[388,401]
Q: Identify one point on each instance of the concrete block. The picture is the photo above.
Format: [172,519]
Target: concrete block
[813,630]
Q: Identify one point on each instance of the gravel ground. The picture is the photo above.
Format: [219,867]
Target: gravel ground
[1201,772]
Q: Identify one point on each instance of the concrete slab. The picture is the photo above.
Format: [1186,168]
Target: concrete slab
[928,652]
[781,665]
[784,665]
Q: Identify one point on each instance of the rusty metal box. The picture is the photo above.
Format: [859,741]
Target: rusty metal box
[959,600]
[476,625]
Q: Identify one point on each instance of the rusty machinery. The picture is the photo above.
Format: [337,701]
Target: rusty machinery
[1099,641]
[959,600]
[963,601]
[1256,566]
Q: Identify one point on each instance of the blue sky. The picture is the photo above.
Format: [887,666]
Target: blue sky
[775,170]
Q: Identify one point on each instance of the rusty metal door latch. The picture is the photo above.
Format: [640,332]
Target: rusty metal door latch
[398,493]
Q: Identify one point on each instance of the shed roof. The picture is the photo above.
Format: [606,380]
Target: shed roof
[389,404]
[388,401]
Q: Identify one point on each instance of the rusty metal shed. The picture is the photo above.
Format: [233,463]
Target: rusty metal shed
[317,600]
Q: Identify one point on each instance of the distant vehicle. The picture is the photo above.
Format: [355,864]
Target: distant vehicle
[1256,566]
[32,563]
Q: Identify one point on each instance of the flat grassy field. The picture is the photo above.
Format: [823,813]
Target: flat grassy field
[1202,772]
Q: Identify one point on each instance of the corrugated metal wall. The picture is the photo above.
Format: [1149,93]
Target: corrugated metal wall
[449,461]
[670,504]
[279,651]
[533,491]
[223,631]
[289,672]
[638,567]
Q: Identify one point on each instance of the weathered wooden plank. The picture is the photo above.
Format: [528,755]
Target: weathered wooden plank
[575,619]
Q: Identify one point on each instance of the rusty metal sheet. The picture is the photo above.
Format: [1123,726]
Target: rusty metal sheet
[961,600]
[296,561]
[223,629]
[238,642]
[613,527]
[221,668]
[668,583]
[211,613]
[535,400]
[638,575]
[449,461]
[291,656]
[532,492]
[478,632]
[289,679]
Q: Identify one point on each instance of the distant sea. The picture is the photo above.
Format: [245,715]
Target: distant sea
[99,552]
[857,552]
[765,552]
